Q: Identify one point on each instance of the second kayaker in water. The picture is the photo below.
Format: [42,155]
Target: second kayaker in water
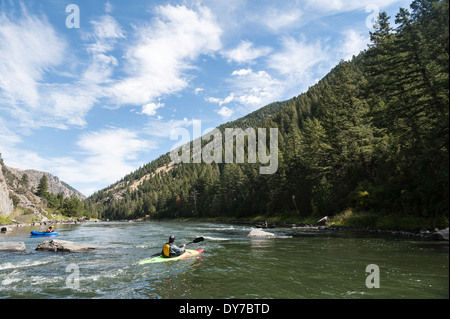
[171,250]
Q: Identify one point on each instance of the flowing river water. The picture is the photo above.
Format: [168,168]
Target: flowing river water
[298,264]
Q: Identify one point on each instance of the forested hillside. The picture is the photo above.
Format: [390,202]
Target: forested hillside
[372,135]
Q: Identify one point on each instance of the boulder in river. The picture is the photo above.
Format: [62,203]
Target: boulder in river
[441,234]
[64,246]
[323,221]
[4,229]
[260,233]
[12,246]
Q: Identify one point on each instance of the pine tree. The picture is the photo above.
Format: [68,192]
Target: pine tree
[25,180]
[42,189]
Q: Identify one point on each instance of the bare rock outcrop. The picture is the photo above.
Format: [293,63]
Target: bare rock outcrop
[6,203]
[64,246]
[260,234]
[55,185]
[12,246]
[441,234]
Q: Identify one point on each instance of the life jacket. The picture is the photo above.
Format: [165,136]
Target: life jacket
[166,250]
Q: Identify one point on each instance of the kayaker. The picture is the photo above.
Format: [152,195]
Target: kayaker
[51,229]
[171,250]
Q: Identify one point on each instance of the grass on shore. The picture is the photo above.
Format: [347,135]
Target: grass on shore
[24,215]
[352,219]
[348,219]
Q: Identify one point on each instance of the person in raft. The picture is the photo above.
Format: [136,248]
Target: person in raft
[51,229]
[171,250]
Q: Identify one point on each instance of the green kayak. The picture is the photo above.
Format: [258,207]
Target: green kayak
[160,259]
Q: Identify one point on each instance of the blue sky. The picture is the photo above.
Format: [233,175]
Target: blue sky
[93,103]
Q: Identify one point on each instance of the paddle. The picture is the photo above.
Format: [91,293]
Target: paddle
[196,240]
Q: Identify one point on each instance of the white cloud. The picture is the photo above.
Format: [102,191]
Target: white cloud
[294,67]
[245,52]
[67,104]
[150,108]
[353,43]
[157,62]
[103,157]
[106,32]
[225,112]
[336,6]
[112,143]
[107,28]
[242,72]
[28,48]
[7,137]
[109,154]
[277,19]
[298,56]
[250,90]
[32,52]
[161,129]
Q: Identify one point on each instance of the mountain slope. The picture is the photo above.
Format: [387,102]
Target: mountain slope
[372,135]
[55,185]
[18,193]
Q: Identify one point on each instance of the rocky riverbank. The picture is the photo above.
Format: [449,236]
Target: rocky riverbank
[55,245]
[9,227]
[430,234]
[322,224]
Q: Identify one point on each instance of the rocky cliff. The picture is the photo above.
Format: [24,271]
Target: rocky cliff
[14,192]
[55,185]
[6,203]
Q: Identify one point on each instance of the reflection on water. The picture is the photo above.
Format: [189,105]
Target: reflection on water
[295,264]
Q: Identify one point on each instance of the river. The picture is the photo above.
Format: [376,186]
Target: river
[298,264]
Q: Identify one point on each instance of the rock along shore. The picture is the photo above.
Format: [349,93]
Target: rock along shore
[9,227]
[49,245]
[426,234]
[64,246]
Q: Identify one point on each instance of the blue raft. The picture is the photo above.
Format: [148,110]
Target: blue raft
[38,233]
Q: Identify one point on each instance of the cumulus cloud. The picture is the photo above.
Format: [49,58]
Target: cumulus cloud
[277,19]
[225,112]
[245,52]
[108,155]
[290,70]
[353,43]
[102,157]
[33,52]
[336,6]
[29,47]
[298,56]
[156,63]
[249,91]
[150,108]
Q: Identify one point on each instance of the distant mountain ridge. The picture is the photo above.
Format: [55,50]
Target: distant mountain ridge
[55,185]
[17,193]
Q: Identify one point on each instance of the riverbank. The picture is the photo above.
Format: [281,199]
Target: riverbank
[410,226]
[346,219]
[9,227]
